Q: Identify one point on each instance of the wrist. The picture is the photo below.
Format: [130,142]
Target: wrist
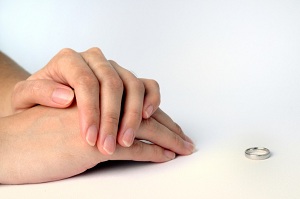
[6,99]
[10,74]
[9,167]
[3,143]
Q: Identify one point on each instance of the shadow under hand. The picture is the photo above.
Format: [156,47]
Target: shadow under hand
[115,165]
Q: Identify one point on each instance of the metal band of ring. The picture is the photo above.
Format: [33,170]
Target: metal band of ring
[257,153]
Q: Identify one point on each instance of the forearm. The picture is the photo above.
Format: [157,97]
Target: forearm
[10,74]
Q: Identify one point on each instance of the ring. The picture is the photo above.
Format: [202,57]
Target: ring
[257,153]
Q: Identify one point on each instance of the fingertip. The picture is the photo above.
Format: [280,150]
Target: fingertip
[109,145]
[128,137]
[170,155]
[190,148]
[91,135]
[62,96]
[148,112]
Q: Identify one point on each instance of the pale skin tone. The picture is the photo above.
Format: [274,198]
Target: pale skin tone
[88,73]
[40,138]
[47,146]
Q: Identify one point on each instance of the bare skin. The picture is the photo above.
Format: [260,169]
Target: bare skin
[84,75]
[44,144]
[40,139]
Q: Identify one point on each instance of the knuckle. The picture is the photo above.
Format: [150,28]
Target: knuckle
[138,149]
[177,140]
[156,151]
[178,129]
[154,83]
[115,83]
[93,110]
[111,118]
[26,91]
[135,115]
[30,88]
[65,57]
[95,50]
[137,85]
[87,80]
[150,125]
[66,52]
[113,62]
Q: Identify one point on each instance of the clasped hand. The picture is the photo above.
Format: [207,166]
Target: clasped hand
[100,99]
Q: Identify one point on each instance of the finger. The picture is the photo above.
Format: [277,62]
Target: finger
[153,131]
[45,92]
[152,97]
[111,90]
[69,68]
[133,105]
[140,151]
[167,121]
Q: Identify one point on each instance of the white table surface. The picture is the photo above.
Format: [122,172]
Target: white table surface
[229,75]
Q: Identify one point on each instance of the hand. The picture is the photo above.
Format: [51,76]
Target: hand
[92,77]
[44,144]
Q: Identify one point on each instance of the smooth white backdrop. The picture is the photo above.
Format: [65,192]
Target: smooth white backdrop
[229,75]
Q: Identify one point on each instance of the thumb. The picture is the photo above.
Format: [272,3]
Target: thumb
[29,93]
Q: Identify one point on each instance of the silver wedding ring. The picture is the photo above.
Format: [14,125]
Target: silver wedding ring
[257,153]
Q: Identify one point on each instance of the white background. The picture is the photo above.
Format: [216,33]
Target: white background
[229,75]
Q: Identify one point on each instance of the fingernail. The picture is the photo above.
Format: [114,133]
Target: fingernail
[62,96]
[128,137]
[169,154]
[91,135]
[149,111]
[189,146]
[109,144]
